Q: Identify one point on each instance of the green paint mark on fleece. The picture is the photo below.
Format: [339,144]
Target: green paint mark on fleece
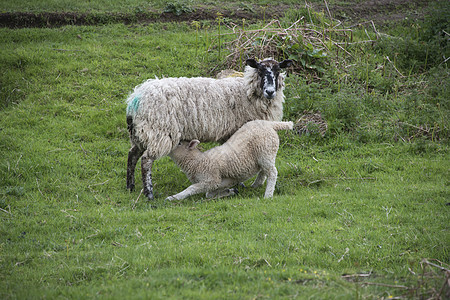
[133,105]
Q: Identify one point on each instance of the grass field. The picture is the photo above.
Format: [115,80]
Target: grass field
[361,212]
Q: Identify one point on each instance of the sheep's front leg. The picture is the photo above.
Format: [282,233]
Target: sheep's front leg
[194,189]
[272,174]
[133,156]
[146,170]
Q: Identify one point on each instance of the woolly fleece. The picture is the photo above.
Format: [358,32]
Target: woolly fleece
[251,150]
[164,111]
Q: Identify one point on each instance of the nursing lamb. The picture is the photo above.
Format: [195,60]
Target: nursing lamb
[162,112]
[251,150]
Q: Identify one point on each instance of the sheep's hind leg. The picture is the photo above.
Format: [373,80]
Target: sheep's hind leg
[272,174]
[146,169]
[133,156]
[222,190]
[222,193]
[259,179]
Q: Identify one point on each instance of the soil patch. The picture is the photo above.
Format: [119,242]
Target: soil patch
[56,19]
[381,11]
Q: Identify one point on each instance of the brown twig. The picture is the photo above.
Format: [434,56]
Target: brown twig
[349,276]
[374,29]
[328,10]
[137,199]
[400,73]
[39,189]
[446,282]
[388,285]
[435,265]
[85,152]
[102,183]
[74,50]
[3,210]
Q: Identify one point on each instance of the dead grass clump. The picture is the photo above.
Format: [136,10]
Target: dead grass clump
[311,123]
[311,46]
[411,132]
[432,282]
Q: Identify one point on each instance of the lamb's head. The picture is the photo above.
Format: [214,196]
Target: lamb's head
[184,149]
[268,73]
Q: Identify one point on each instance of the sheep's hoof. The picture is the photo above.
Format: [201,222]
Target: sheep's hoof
[149,194]
[241,185]
[234,191]
[130,187]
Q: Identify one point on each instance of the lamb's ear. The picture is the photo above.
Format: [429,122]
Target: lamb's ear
[252,63]
[286,63]
[193,144]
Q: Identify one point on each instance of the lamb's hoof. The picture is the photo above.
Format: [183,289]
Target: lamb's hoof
[171,198]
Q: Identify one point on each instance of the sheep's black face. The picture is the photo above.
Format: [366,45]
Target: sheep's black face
[268,71]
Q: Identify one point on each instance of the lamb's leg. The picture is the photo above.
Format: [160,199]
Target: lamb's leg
[133,156]
[221,192]
[271,181]
[259,179]
[194,189]
[146,170]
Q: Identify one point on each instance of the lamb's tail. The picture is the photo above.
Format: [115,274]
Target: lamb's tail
[282,125]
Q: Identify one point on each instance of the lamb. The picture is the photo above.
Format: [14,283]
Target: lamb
[251,150]
[162,112]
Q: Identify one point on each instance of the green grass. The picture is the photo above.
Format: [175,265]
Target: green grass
[368,198]
[87,240]
[120,6]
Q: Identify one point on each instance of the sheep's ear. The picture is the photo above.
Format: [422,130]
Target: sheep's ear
[286,63]
[193,144]
[252,63]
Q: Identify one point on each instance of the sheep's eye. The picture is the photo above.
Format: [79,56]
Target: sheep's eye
[179,144]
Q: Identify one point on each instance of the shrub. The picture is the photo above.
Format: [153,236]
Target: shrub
[177,8]
[423,44]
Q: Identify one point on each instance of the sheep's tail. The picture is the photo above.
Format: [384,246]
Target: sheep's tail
[282,125]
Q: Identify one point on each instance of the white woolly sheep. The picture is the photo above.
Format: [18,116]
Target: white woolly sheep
[251,150]
[162,112]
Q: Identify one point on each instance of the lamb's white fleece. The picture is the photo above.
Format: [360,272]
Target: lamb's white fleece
[251,150]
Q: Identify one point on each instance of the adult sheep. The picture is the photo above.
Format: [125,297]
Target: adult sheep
[162,112]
